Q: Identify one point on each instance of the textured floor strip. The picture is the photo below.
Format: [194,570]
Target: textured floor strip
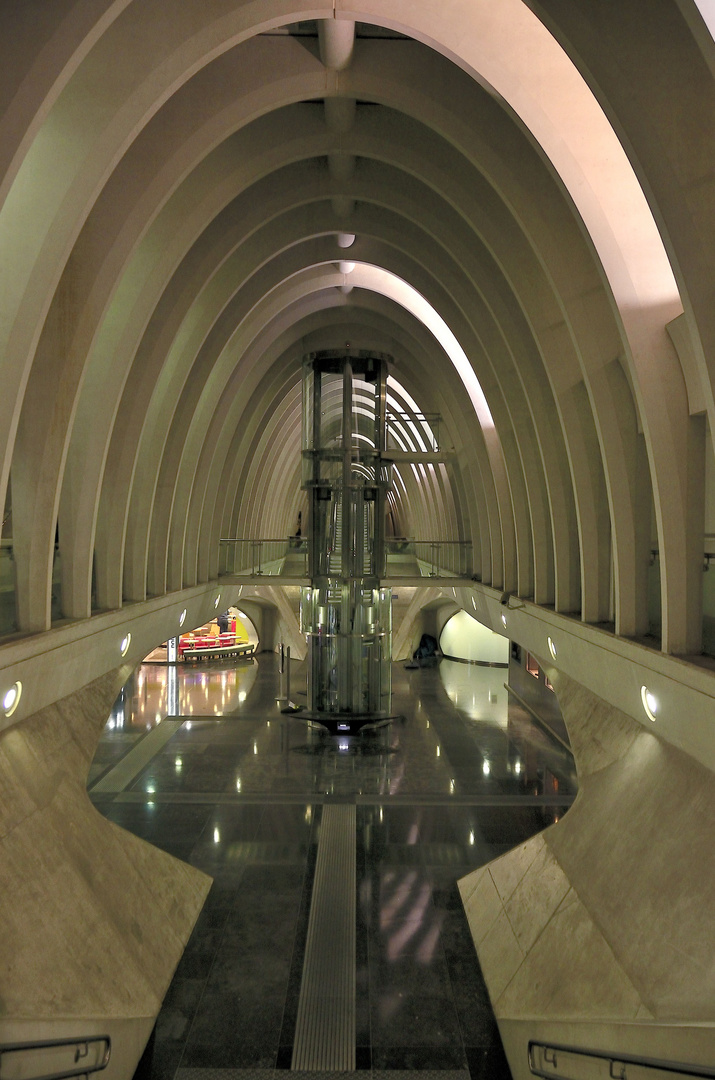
[325,1026]
[137,759]
[326,1074]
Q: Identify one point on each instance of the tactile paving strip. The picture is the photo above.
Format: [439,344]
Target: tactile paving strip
[325,1025]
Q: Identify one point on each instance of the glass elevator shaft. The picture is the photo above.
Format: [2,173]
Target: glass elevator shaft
[345,613]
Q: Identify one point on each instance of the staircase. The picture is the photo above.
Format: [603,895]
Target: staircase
[335,558]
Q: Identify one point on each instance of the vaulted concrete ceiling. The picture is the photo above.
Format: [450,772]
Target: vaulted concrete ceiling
[175,188]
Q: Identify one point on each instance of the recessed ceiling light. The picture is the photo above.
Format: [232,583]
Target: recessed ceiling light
[125,643]
[182,617]
[552,647]
[11,698]
[650,703]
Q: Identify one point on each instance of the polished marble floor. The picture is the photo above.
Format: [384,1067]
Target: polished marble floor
[203,764]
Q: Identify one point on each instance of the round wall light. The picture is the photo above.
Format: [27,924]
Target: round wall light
[503,620]
[182,617]
[552,647]
[11,698]
[650,703]
[217,601]
[124,644]
[474,603]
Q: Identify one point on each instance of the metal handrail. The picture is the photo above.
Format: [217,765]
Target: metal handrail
[544,1062]
[81,1045]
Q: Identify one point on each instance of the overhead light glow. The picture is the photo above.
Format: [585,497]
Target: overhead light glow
[124,644]
[182,617]
[552,647]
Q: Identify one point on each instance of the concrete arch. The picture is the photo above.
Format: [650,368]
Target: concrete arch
[590,564]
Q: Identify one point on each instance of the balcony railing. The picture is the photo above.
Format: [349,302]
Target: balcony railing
[416,431]
[428,558]
[288,558]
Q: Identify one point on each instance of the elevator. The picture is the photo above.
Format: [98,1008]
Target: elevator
[346,614]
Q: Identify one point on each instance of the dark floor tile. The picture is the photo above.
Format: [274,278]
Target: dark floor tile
[421,1058]
[363,1057]
[362,1017]
[178,1010]
[165,1060]
[199,954]
[413,1019]
[234,1054]
[488,1064]
[445,890]
[177,849]
[284,1057]
[231,1018]
[476,1022]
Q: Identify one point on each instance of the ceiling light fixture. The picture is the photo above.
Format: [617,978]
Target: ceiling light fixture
[11,698]
[649,702]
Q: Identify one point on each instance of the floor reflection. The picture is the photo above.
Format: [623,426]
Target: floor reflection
[200,761]
[155,691]
[459,735]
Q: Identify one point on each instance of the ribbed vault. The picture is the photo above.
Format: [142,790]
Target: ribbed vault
[174,194]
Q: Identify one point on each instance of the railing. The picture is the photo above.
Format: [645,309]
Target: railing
[287,556]
[428,558]
[55,1059]
[405,558]
[414,431]
[567,1063]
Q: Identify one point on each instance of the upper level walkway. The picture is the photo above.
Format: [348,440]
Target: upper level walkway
[285,560]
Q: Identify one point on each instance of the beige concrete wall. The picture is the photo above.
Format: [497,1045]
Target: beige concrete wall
[94,919]
[599,929]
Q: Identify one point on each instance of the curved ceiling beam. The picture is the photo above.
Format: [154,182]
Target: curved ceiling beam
[586,533]
[523,561]
[669,423]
